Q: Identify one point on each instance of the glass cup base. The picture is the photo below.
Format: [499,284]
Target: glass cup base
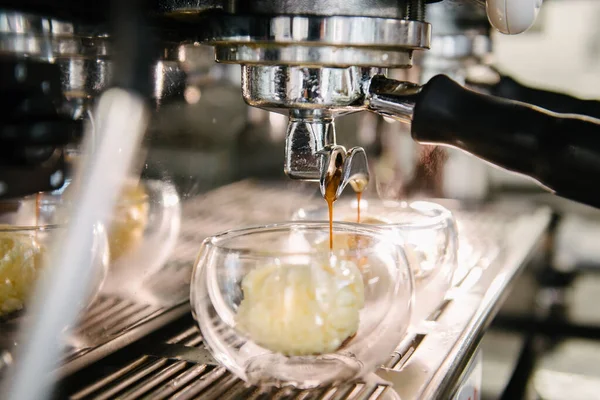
[301,372]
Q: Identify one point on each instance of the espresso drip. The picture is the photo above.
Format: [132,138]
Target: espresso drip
[358,196]
[333,182]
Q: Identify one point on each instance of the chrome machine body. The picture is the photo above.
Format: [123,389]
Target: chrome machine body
[320,60]
[317,61]
[311,61]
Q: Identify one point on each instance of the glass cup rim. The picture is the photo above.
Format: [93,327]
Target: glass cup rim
[58,199]
[380,232]
[5,228]
[444,214]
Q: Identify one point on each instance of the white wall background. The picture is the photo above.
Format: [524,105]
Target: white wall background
[562,51]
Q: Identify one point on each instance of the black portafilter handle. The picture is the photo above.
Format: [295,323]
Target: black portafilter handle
[562,152]
[511,89]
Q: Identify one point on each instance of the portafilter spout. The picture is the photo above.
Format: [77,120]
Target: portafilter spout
[307,135]
[351,166]
[311,153]
[312,98]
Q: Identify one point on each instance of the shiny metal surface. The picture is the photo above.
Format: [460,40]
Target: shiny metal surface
[451,17]
[28,24]
[45,38]
[182,8]
[333,90]
[160,377]
[353,165]
[391,98]
[86,75]
[371,8]
[80,52]
[84,56]
[305,138]
[312,97]
[82,79]
[311,154]
[301,55]
[137,325]
[434,368]
[39,47]
[169,80]
[375,8]
[325,31]
[462,40]
[307,56]
[318,41]
[355,171]
[334,158]
[459,46]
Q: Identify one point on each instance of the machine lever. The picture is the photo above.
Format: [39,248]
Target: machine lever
[511,89]
[561,151]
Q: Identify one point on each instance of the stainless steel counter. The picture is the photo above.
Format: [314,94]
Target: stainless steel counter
[447,342]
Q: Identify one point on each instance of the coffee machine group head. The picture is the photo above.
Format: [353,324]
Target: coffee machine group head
[312,61]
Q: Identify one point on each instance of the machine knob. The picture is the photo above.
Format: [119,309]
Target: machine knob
[512,17]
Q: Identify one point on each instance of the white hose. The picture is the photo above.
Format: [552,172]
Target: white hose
[120,123]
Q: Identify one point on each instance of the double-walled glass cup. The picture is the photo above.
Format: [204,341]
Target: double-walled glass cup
[142,230]
[429,235]
[276,306]
[25,242]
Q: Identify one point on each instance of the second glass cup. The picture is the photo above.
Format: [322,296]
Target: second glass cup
[276,306]
[142,231]
[428,231]
[26,241]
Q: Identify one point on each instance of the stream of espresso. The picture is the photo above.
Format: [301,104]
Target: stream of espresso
[358,196]
[333,182]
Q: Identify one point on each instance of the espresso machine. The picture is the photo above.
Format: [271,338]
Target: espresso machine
[308,63]
[313,64]
[315,79]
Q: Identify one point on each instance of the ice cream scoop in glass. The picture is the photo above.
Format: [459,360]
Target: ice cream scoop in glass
[142,232]
[25,240]
[429,237]
[276,306]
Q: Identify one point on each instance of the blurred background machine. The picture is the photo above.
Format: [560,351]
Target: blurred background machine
[306,60]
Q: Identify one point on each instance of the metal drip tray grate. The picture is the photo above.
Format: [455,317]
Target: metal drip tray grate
[175,376]
[107,318]
[160,378]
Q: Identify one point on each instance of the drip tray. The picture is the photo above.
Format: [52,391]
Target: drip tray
[180,367]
